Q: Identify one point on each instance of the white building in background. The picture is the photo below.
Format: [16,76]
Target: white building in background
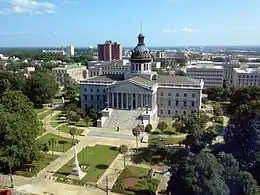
[245,76]
[70,50]
[74,71]
[211,74]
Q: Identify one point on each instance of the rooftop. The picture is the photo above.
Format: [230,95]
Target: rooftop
[247,70]
[69,67]
[176,80]
[108,77]
[205,66]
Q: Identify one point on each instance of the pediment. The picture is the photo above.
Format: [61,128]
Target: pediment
[128,86]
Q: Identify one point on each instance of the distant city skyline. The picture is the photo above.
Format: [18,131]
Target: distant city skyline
[166,23]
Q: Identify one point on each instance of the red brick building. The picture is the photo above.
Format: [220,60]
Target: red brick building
[109,51]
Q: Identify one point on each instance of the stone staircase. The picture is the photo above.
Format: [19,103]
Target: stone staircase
[124,119]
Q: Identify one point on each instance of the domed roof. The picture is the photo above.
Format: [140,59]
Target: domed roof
[141,52]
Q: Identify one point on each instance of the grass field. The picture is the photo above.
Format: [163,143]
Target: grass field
[97,158]
[36,166]
[55,124]
[41,131]
[66,129]
[62,144]
[175,140]
[38,111]
[44,115]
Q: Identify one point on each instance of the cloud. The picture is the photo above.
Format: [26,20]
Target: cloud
[70,2]
[28,6]
[186,30]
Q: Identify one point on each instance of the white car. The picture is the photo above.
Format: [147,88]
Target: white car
[145,139]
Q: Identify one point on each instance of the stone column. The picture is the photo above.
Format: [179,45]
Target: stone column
[127,106]
[107,99]
[113,100]
[122,99]
[142,103]
[131,100]
[117,102]
[136,100]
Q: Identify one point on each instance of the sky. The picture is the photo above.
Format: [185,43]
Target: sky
[83,23]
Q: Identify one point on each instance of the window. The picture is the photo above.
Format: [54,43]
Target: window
[193,95]
[85,89]
[184,103]
[169,102]
[177,94]
[104,91]
[177,103]
[91,97]
[192,103]
[176,111]
[97,97]
[169,112]
[97,90]
[169,94]
[184,113]
[185,95]
[91,90]
[161,93]
[104,97]
[161,111]
[86,97]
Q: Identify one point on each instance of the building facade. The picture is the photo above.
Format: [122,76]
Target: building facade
[73,71]
[109,51]
[211,74]
[142,89]
[245,76]
[70,50]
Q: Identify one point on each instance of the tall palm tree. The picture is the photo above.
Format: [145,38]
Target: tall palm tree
[136,132]
[123,149]
[72,133]
[52,142]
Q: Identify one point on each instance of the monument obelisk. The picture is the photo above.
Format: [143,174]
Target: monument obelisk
[76,171]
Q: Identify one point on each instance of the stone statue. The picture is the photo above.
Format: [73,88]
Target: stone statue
[146,108]
[76,171]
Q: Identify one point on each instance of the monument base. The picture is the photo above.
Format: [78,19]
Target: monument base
[82,174]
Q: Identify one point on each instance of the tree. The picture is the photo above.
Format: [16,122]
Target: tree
[87,120]
[71,90]
[73,131]
[18,129]
[41,88]
[193,124]
[123,149]
[136,132]
[197,174]
[217,110]
[45,148]
[52,143]
[179,73]
[148,128]
[239,182]
[162,125]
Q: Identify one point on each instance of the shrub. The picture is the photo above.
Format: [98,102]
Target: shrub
[162,125]
[148,128]
[217,110]
[157,132]
[219,119]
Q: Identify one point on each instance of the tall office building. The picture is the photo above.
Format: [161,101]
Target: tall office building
[109,51]
[70,50]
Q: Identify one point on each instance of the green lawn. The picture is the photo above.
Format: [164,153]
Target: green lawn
[41,131]
[63,144]
[44,115]
[170,130]
[55,124]
[175,140]
[39,110]
[66,129]
[36,166]
[97,158]
[144,181]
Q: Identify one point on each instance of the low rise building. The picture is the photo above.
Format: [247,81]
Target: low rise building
[245,76]
[211,74]
[76,72]
[28,70]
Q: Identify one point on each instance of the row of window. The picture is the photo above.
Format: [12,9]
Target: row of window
[98,97]
[177,94]
[248,76]
[177,103]
[92,90]
[170,112]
